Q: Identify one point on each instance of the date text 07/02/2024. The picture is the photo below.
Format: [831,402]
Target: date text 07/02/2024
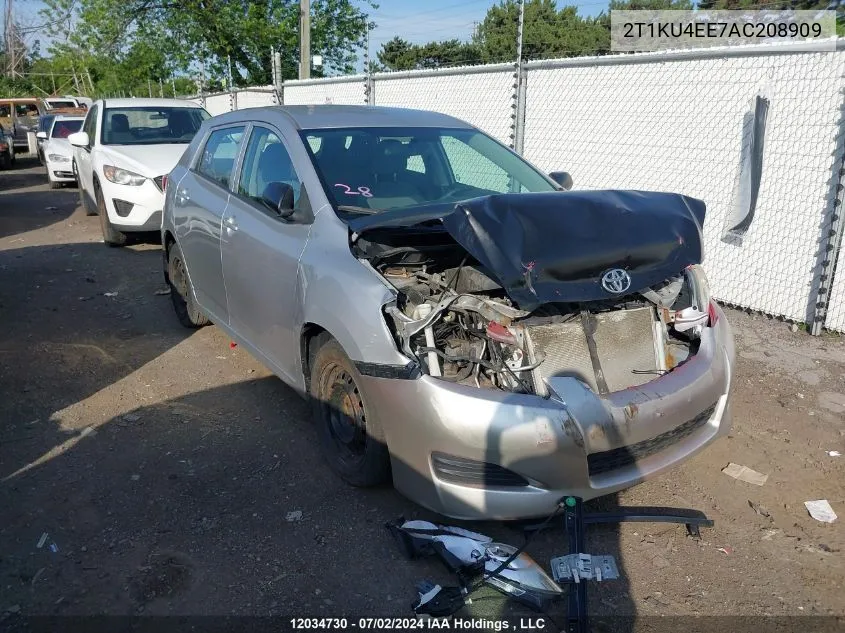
[410,624]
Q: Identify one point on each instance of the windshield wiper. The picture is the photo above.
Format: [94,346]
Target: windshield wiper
[359,210]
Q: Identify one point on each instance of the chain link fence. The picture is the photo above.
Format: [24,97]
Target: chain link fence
[349,90]
[757,132]
[698,124]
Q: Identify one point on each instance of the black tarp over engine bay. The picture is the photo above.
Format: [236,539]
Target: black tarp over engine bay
[554,247]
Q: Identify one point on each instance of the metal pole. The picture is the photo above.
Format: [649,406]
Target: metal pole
[150,87]
[173,85]
[518,104]
[160,88]
[229,61]
[519,33]
[277,62]
[368,80]
[304,39]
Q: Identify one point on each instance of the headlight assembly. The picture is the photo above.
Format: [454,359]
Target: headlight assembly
[57,158]
[122,176]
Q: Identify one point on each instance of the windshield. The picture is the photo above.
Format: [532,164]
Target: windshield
[65,127]
[61,104]
[151,125]
[369,170]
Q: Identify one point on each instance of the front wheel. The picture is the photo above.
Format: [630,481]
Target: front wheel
[351,439]
[181,292]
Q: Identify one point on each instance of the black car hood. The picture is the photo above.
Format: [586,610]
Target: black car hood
[555,247]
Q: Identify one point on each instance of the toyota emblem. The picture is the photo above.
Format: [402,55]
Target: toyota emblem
[616,281]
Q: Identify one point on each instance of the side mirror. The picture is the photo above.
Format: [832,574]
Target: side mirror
[41,135]
[278,197]
[79,139]
[562,178]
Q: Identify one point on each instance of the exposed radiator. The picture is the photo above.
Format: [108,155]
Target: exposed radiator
[626,340]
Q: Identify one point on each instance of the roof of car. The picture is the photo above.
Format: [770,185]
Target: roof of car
[311,117]
[136,102]
[69,117]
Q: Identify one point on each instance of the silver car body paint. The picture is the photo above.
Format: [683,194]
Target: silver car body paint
[321,283]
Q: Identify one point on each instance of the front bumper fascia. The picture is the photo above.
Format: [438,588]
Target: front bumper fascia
[547,441]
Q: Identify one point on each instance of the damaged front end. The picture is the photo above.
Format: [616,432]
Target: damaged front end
[605,287]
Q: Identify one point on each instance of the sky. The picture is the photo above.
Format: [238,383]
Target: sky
[417,21]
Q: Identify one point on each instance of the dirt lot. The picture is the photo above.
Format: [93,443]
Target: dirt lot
[163,463]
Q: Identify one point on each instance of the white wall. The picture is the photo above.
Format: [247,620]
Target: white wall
[219,103]
[338,90]
[482,99]
[677,126]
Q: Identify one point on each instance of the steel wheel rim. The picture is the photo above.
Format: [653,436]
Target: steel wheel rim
[344,413]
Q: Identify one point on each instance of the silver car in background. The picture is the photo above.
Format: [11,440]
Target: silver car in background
[461,322]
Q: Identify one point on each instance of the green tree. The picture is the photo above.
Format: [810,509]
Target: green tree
[399,54]
[178,34]
[547,32]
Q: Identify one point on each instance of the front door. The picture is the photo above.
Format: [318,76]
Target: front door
[261,254]
[199,203]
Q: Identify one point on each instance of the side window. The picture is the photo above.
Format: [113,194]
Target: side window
[89,127]
[474,169]
[217,160]
[267,161]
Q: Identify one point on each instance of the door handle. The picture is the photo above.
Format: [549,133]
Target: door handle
[182,196]
[231,223]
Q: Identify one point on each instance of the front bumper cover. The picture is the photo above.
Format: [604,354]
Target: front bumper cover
[548,441]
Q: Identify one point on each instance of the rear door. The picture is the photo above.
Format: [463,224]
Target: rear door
[199,202]
[261,253]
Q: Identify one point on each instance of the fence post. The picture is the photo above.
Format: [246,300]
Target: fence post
[831,243]
[234,98]
[519,122]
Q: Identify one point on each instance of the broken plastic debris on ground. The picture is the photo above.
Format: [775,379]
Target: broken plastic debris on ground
[475,560]
[820,510]
[744,473]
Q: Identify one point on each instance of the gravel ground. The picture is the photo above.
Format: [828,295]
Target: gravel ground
[163,464]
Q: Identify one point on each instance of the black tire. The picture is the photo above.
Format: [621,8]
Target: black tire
[181,292]
[111,236]
[352,441]
[5,161]
[55,185]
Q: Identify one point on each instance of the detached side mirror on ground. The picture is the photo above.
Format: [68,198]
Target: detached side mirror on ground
[562,178]
[278,196]
[41,135]
[79,139]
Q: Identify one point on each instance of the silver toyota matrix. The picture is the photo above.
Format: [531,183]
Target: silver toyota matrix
[462,323]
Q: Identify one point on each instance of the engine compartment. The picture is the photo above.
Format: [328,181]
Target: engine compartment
[454,318]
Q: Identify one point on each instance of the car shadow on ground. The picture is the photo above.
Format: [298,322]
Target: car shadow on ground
[24,208]
[214,501]
[219,502]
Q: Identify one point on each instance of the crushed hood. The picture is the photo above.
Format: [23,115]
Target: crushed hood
[555,247]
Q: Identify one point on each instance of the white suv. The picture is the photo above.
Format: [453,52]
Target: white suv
[122,156]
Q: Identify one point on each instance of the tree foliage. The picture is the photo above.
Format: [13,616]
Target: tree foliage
[399,54]
[127,42]
[548,31]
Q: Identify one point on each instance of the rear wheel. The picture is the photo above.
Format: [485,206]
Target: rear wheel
[111,236]
[181,292]
[351,439]
[5,161]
